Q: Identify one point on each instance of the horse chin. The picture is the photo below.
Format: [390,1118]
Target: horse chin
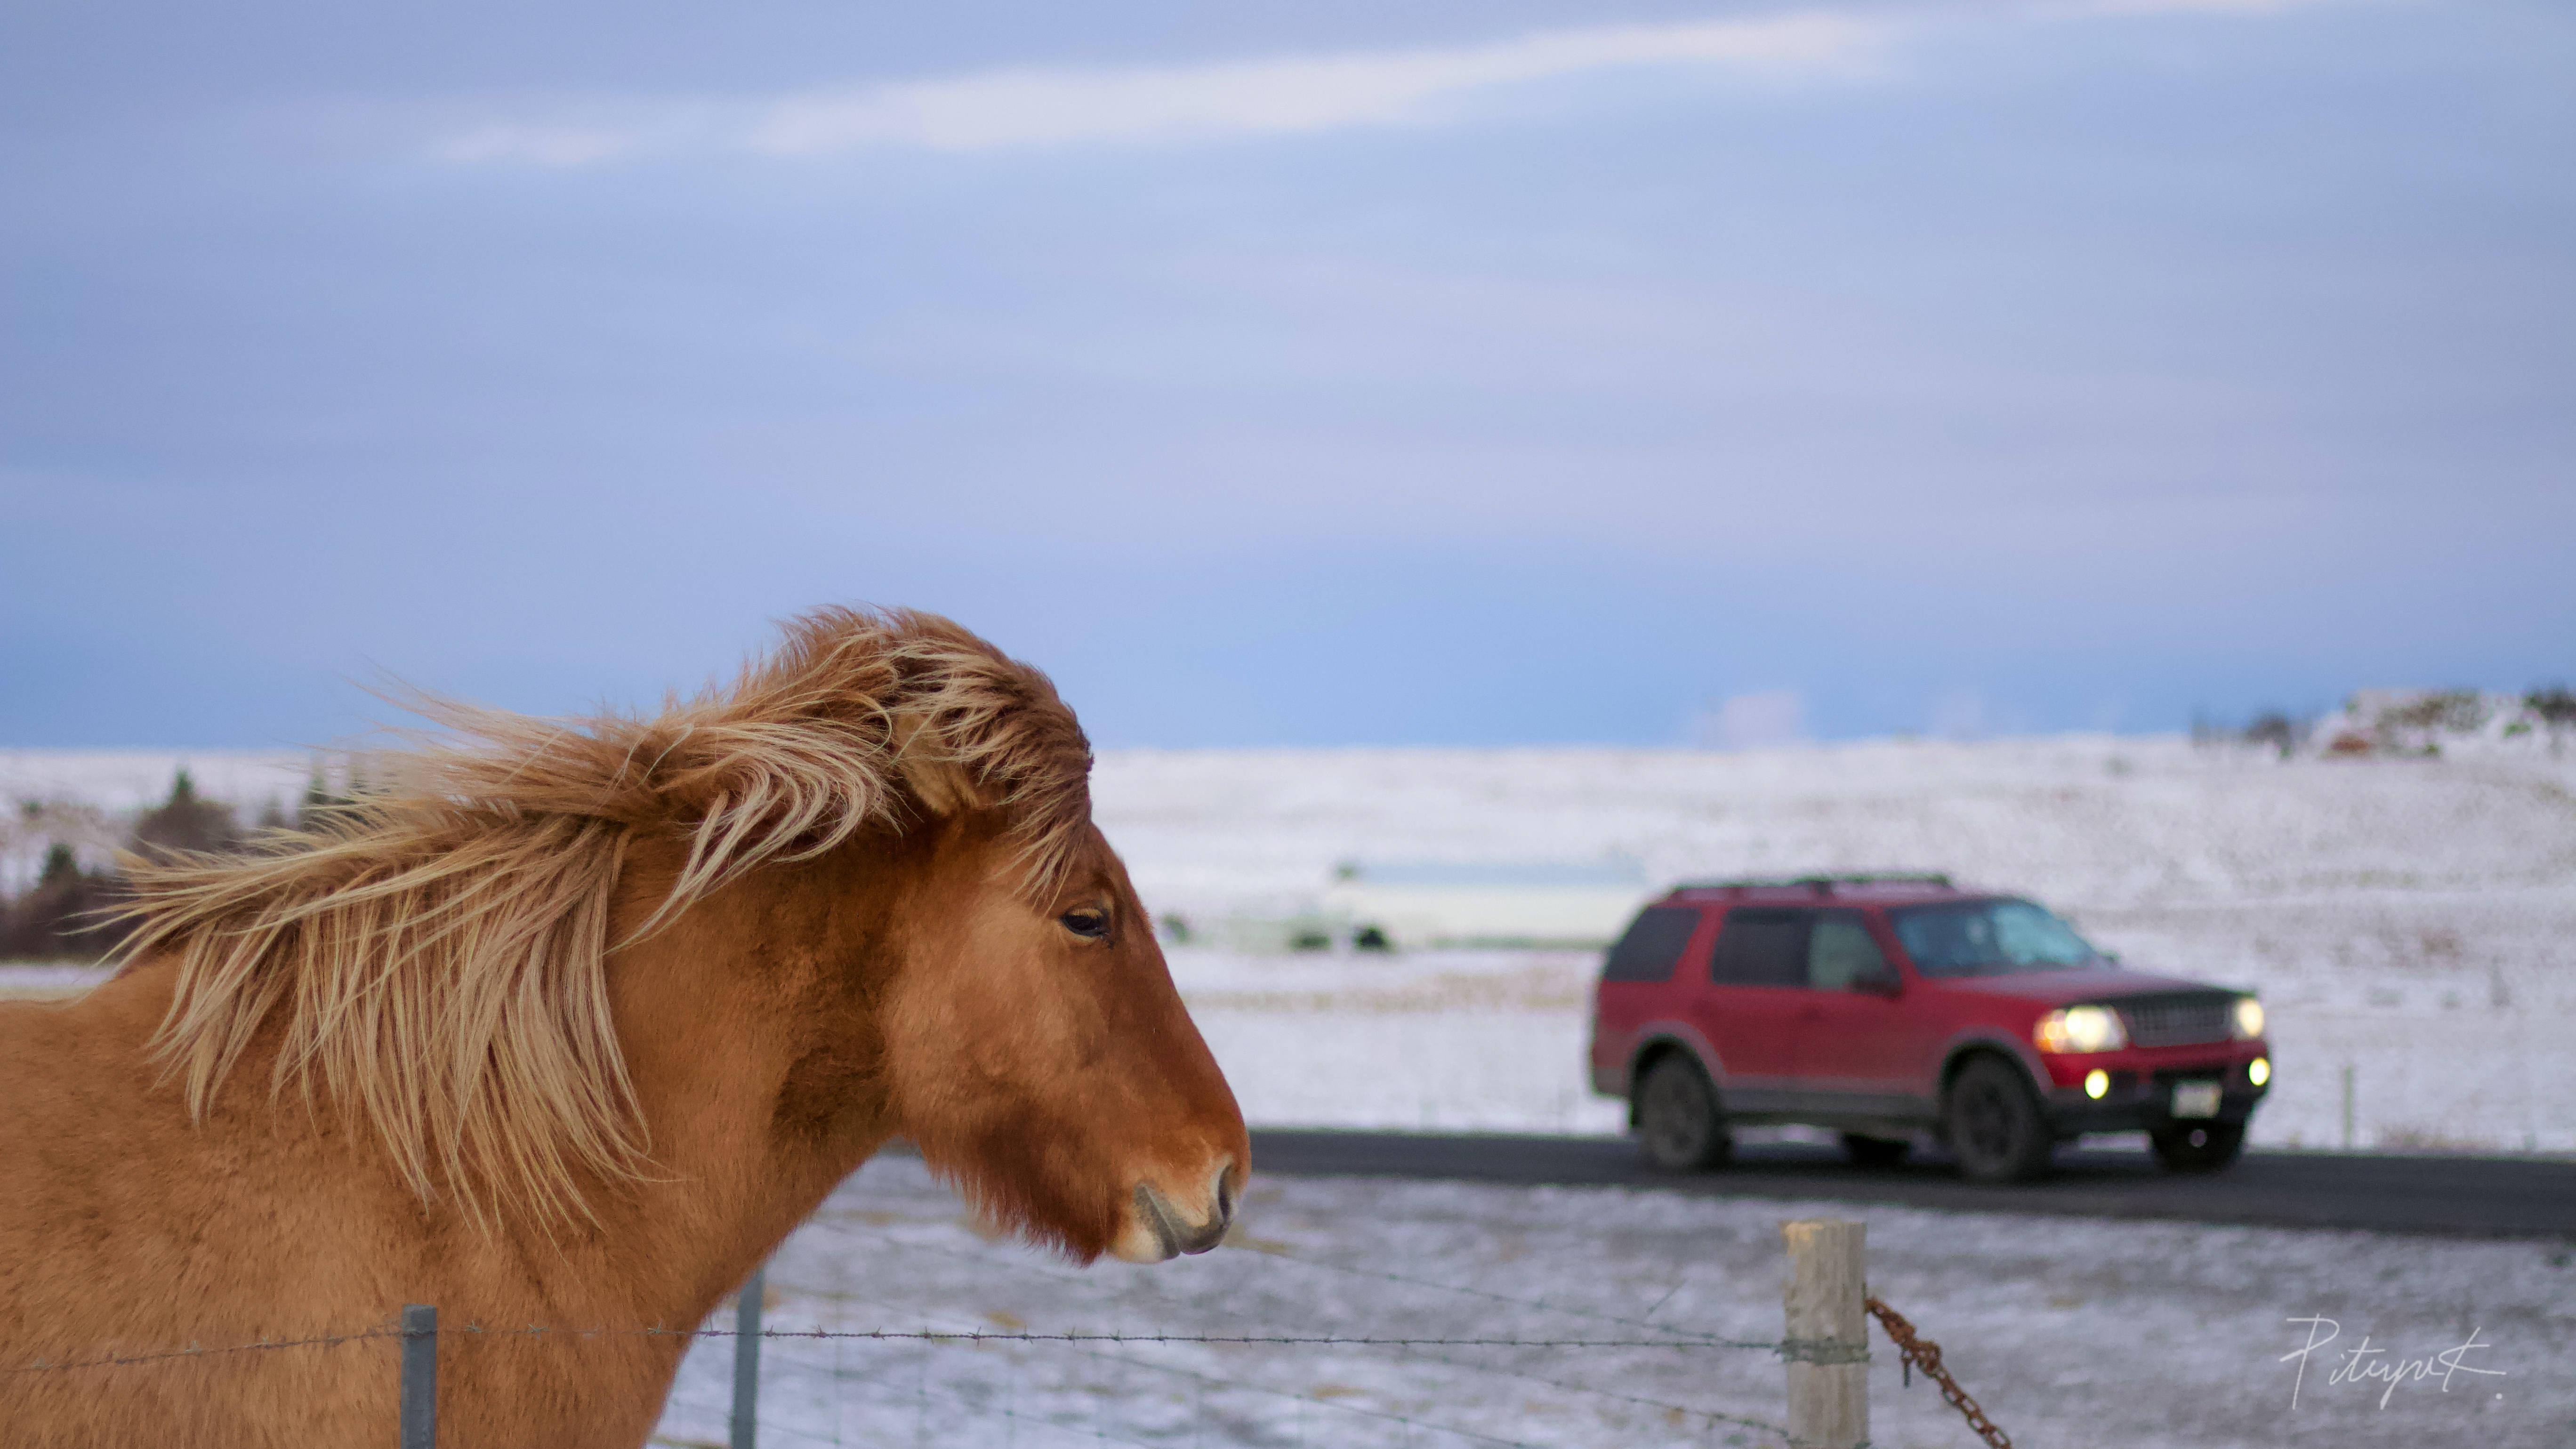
[1139,1243]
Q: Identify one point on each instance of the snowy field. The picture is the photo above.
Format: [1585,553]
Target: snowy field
[2073,1333]
[2413,920]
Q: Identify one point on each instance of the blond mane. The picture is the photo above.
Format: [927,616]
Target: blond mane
[432,958]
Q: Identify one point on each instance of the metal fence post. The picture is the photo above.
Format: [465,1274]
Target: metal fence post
[419,1376]
[744,1430]
[1827,1343]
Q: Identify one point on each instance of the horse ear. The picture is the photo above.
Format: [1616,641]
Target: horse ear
[935,779]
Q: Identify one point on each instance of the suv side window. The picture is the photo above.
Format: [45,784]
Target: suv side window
[1653,944]
[1841,952]
[1761,947]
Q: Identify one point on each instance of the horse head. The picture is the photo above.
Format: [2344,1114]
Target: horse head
[976,972]
[1036,1051]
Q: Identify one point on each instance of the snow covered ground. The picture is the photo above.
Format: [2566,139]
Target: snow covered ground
[2069,1332]
[2411,919]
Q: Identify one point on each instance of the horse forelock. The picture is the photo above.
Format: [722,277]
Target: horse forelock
[433,957]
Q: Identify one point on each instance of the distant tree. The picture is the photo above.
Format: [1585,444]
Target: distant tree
[2453,710]
[2554,703]
[61,917]
[319,800]
[2274,728]
[186,822]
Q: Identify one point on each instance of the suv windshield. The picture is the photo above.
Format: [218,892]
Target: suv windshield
[1988,938]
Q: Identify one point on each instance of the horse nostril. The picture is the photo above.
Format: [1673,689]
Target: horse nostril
[1224,1194]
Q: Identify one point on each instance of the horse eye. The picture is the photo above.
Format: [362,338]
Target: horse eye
[1091,925]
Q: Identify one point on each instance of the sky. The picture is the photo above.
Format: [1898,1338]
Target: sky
[1339,373]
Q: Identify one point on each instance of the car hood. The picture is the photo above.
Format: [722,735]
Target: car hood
[2078,983]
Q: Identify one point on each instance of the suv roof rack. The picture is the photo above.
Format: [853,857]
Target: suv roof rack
[1826,884]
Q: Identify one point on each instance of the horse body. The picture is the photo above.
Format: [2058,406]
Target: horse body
[917,975]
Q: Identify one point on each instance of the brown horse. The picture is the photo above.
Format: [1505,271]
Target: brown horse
[569,1030]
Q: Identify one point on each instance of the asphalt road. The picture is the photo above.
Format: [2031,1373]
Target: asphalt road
[2452,1196]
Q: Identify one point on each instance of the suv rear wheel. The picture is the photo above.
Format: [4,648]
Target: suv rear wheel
[1995,1127]
[2205,1148]
[1678,1124]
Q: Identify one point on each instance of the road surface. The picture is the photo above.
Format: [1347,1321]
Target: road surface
[2472,1196]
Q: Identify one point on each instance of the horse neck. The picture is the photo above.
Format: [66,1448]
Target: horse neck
[727,1020]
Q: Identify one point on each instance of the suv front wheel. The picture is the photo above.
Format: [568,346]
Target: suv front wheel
[1995,1127]
[1678,1124]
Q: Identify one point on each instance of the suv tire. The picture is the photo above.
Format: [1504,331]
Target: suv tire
[1679,1126]
[1994,1123]
[2206,1147]
[1867,1151]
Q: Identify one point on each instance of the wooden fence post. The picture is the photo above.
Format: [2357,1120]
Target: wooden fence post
[1827,1343]
[744,1429]
[419,1411]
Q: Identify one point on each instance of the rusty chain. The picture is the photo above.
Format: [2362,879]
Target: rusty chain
[1923,1353]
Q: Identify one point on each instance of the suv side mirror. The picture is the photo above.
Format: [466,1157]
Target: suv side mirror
[1885,983]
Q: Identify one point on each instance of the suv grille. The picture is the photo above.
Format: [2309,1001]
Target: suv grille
[2163,1021]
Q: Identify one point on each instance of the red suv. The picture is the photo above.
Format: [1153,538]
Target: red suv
[1880,1005]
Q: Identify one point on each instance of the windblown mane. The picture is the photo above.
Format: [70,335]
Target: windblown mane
[432,958]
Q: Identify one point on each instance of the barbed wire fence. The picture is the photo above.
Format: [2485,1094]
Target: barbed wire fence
[799,1385]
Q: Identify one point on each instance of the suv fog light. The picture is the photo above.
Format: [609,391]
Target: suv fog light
[2259,1070]
[2097,1084]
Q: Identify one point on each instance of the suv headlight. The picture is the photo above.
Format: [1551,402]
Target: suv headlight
[2248,1020]
[2081,1029]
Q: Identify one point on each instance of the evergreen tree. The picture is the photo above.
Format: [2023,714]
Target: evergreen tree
[186,822]
[2554,703]
[61,918]
[318,802]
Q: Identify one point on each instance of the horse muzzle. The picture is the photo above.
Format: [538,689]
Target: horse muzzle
[1156,1230]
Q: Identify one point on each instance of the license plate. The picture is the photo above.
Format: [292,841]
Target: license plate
[2195,1099]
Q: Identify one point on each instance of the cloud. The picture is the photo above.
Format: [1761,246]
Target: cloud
[1220,100]
[2188,7]
[1034,106]
[1276,96]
